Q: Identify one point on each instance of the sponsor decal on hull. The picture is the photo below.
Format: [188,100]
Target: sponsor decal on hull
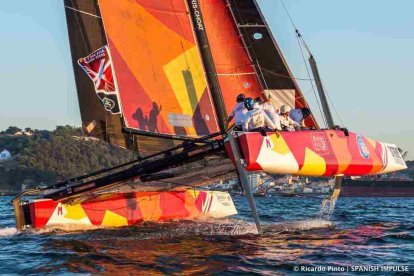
[363,150]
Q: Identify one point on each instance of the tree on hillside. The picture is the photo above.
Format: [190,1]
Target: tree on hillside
[68,130]
[12,130]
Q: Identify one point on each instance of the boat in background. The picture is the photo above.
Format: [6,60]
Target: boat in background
[377,187]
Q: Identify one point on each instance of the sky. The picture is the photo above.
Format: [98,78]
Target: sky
[364,51]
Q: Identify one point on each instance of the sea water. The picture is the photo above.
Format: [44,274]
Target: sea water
[361,233]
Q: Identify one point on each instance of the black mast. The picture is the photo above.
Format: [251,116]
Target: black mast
[208,62]
[322,94]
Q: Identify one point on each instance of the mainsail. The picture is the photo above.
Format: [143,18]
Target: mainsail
[162,84]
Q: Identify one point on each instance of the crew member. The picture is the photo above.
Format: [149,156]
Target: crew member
[286,122]
[299,115]
[270,110]
[256,118]
[238,113]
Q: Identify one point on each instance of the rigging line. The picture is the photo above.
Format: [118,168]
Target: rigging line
[236,74]
[334,107]
[299,35]
[194,185]
[80,24]
[299,38]
[284,76]
[302,40]
[250,64]
[288,14]
[176,185]
[304,93]
[310,53]
[84,12]
[313,87]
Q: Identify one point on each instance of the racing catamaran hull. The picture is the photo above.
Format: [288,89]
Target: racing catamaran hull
[317,153]
[125,209]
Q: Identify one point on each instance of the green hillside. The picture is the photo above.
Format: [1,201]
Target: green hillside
[48,156]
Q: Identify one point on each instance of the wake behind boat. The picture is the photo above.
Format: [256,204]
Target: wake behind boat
[160,78]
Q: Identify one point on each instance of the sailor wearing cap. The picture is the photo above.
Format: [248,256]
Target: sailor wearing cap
[299,115]
[286,122]
[238,113]
[256,118]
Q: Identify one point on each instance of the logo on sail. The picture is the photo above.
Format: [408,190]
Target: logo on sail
[197,15]
[363,150]
[98,66]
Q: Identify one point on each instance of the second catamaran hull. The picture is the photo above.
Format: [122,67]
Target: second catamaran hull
[318,153]
[125,209]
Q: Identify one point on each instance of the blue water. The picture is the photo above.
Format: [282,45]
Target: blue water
[362,231]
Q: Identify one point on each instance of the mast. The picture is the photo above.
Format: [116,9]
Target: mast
[218,98]
[208,62]
[321,91]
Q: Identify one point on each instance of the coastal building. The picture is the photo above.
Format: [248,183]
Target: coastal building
[24,133]
[254,180]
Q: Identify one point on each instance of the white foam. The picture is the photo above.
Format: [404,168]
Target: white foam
[327,207]
[312,224]
[302,225]
[9,231]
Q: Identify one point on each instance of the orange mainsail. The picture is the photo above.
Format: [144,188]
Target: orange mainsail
[159,71]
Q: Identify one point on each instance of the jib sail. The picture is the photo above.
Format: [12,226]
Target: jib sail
[247,56]
[162,84]
[235,71]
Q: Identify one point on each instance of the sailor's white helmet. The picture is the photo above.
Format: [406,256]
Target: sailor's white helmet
[284,109]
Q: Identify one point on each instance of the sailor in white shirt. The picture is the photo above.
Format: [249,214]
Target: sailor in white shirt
[238,112]
[270,111]
[299,115]
[256,118]
[286,122]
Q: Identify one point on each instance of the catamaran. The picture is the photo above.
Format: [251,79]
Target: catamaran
[160,78]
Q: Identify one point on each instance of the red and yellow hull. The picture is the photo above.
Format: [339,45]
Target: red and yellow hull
[124,209]
[317,153]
